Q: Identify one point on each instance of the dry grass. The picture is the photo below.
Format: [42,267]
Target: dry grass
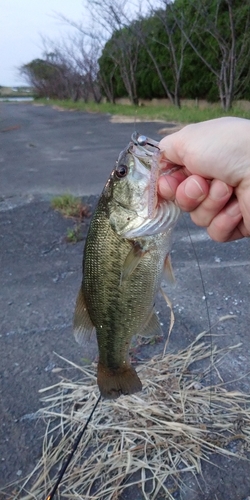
[149,439]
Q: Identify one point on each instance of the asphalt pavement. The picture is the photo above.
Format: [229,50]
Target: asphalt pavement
[43,152]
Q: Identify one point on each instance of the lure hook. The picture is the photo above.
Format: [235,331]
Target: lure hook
[144,142]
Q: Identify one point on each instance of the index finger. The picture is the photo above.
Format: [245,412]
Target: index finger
[168,184]
[169,146]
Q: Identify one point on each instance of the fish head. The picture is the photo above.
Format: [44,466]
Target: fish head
[128,192]
[130,181]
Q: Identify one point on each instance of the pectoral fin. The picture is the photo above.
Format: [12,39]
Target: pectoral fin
[152,327]
[83,326]
[132,260]
[168,270]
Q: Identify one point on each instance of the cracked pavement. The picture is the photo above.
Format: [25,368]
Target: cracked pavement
[46,152]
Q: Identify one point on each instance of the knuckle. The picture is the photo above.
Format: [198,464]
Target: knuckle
[200,221]
[220,238]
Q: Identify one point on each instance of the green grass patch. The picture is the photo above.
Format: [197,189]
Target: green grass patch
[69,206]
[74,234]
[187,114]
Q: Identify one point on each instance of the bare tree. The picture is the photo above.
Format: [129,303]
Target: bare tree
[79,54]
[113,14]
[124,54]
[67,81]
[36,75]
[144,38]
[83,52]
[107,83]
[51,76]
[175,45]
[231,60]
[123,48]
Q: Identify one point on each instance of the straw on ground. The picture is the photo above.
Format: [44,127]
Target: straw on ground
[149,439]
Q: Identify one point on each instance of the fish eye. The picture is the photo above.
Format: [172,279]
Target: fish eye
[121,171]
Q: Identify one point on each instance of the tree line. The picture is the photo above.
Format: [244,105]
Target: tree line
[196,49]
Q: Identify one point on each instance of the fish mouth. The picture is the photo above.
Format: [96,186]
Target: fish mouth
[145,144]
[160,214]
[152,214]
[143,148]
[148,152]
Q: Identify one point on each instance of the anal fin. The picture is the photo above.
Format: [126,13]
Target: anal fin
[168,270]
[152,327]
[83,326]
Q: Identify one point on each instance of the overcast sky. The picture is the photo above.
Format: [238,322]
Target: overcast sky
[22,24]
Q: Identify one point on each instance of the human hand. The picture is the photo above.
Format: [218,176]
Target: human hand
[214,180]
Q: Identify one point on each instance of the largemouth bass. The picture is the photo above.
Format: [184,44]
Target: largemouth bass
[125,257]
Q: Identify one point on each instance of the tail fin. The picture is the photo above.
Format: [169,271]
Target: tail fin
[113,383]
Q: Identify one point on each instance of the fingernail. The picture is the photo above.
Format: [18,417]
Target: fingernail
[193,189]
[218,190]
[233,209]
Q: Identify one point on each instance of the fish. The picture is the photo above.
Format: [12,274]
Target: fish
[126,256]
